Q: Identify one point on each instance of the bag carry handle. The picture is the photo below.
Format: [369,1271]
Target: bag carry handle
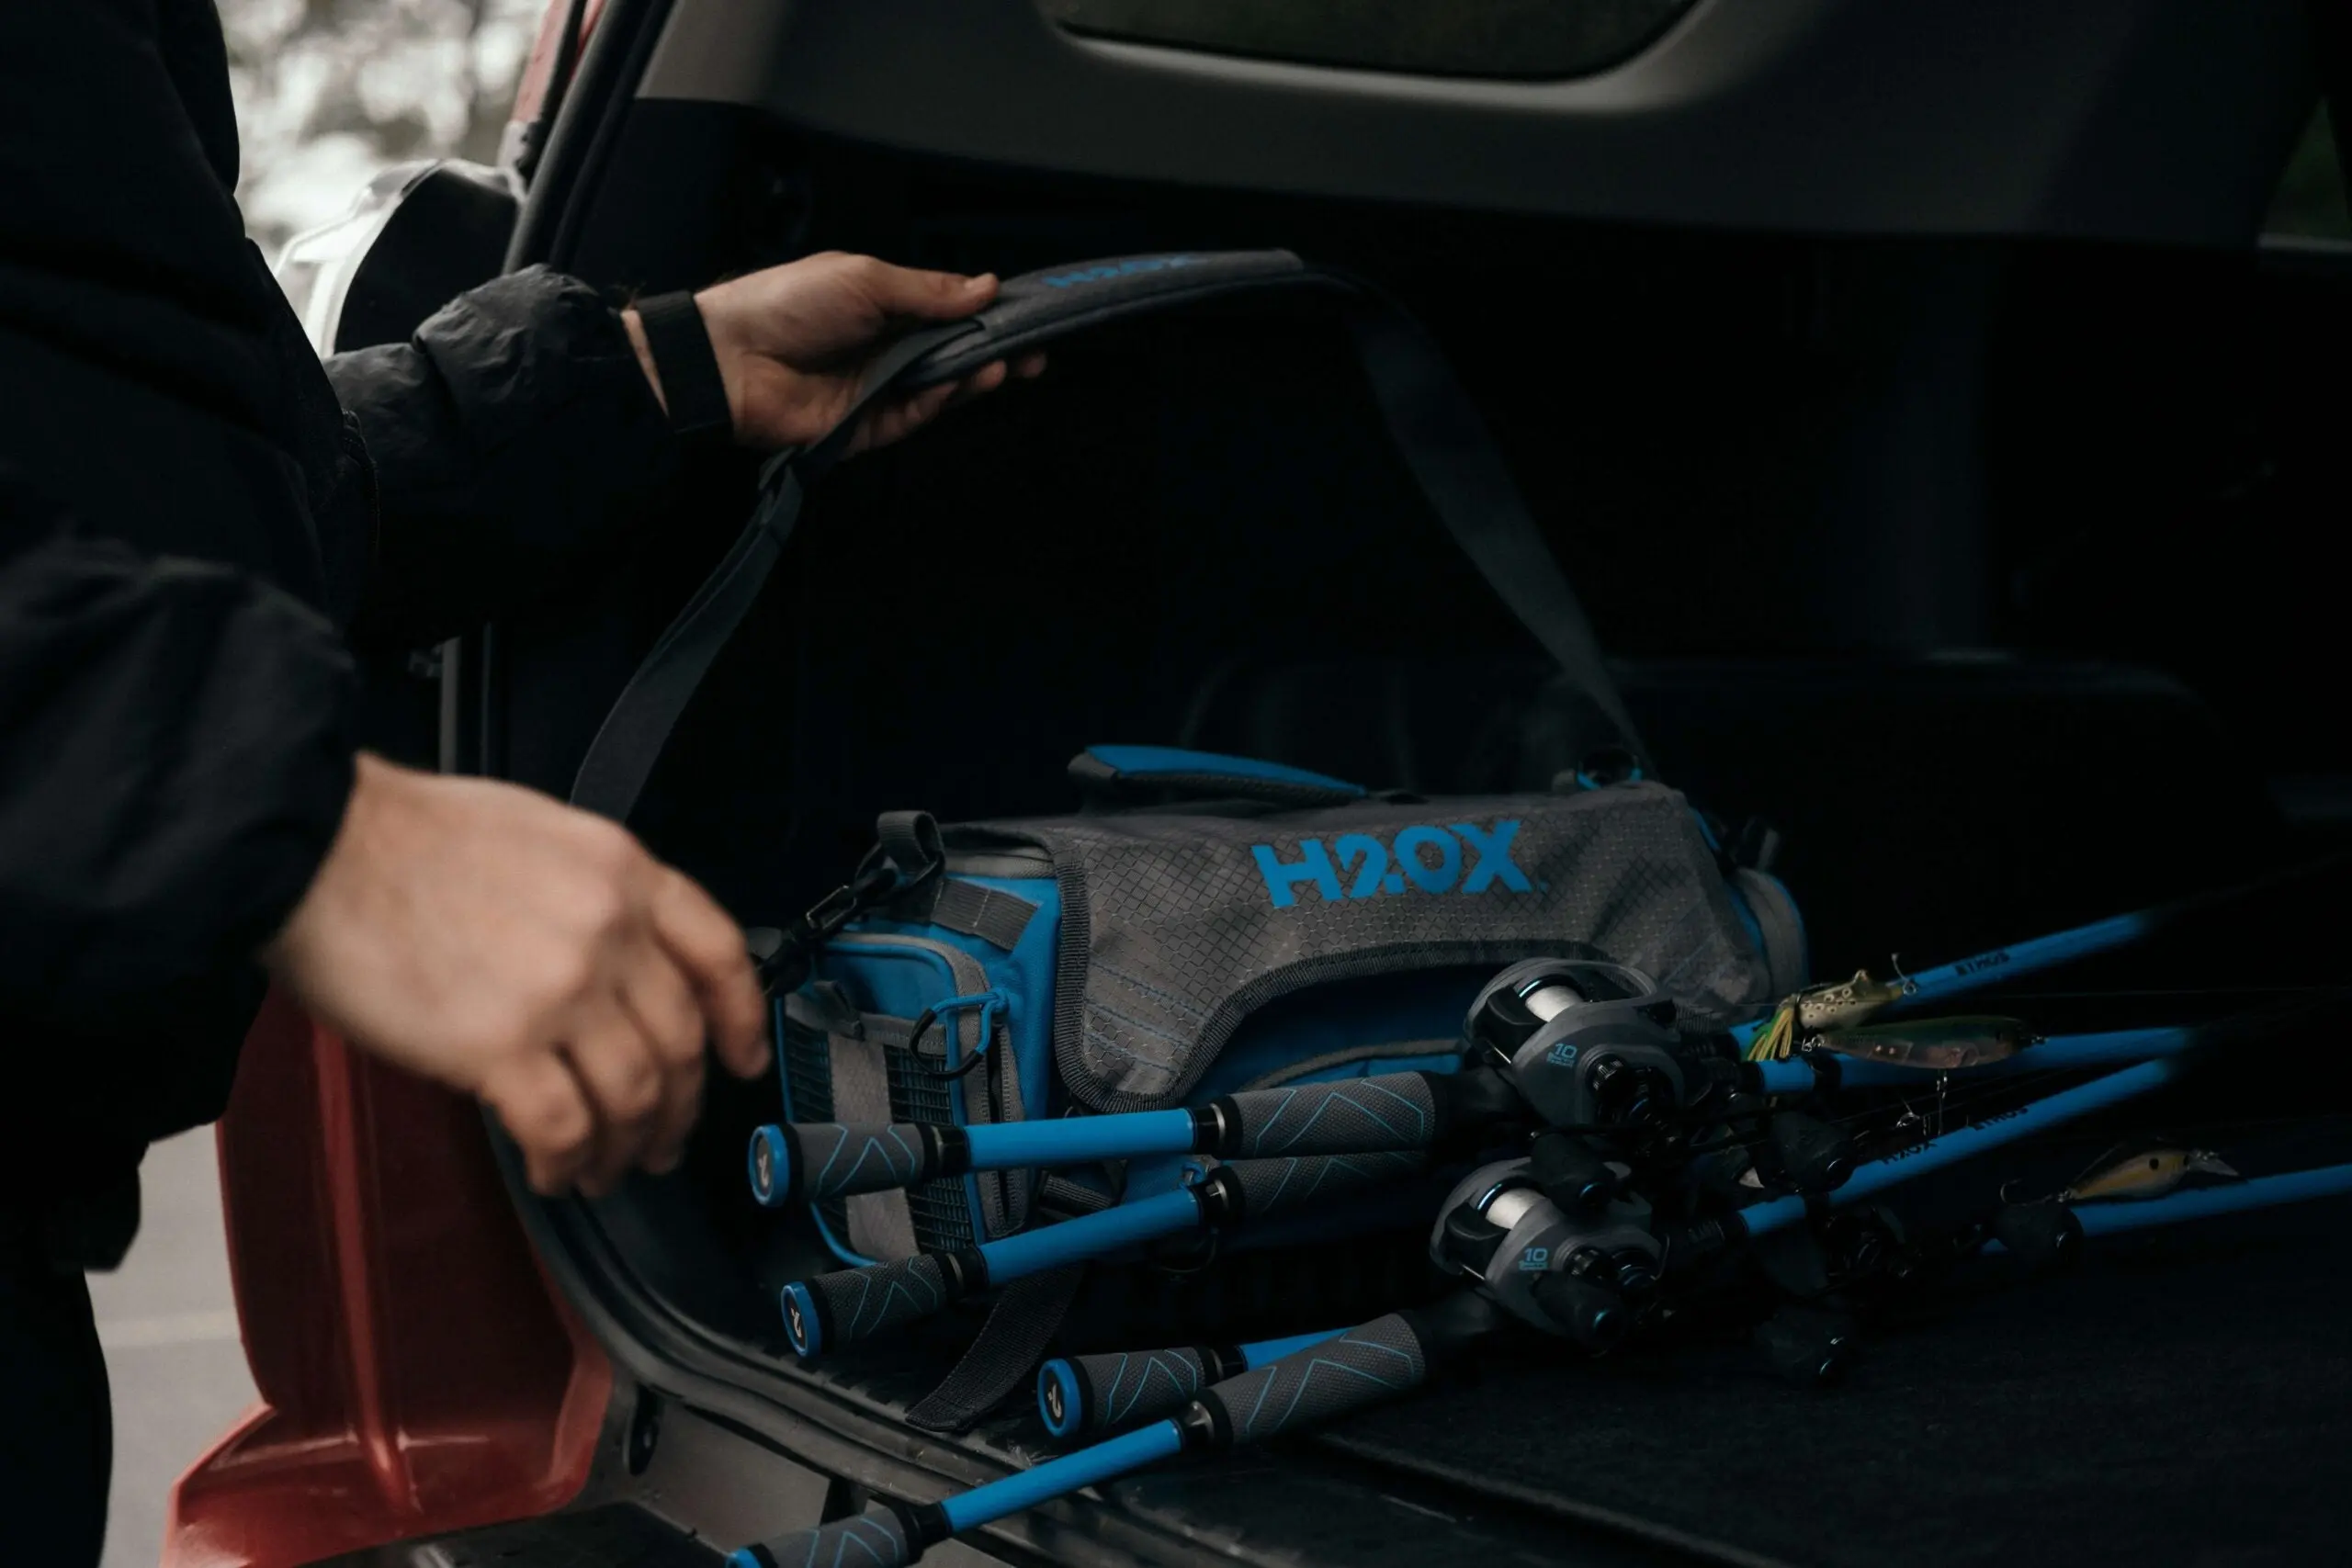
[1435,428]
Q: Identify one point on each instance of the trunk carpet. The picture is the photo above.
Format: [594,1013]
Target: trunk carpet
[2180,1397]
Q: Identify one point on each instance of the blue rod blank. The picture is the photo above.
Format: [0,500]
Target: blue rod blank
[1079,1140]
[2003,963]
[1090,1235]
[2204,1202]
[1776,1213]
[2059,1052]
[1105,1460]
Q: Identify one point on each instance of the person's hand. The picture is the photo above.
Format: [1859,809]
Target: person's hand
[792,340]
[535,956]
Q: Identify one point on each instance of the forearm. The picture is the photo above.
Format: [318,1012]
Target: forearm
[516,437]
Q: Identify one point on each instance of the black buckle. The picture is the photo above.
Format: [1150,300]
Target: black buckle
[878,882]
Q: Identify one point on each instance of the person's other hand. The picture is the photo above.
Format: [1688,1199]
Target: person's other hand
[792,341]
[535,956]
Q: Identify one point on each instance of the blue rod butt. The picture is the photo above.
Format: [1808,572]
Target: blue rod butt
[768,1163]
[800,1322]
[1061,1397]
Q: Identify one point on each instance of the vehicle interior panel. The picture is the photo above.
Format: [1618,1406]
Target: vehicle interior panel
[1990,572]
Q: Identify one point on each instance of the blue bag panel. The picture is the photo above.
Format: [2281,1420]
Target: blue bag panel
[1024,977]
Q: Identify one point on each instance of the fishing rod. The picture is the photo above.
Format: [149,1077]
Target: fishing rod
[1859,1061]
[1397,1111]
[1367,1365]
[1092,1394]
[1851,1001]
[831,1312]
[2035,1116]
[2054,1226]
[1563,1043]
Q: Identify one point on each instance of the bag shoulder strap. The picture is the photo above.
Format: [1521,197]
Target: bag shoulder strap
[1439,432]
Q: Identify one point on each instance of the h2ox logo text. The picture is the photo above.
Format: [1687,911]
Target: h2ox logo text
[1424,860]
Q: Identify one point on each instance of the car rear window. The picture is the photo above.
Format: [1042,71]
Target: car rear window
[1453,38]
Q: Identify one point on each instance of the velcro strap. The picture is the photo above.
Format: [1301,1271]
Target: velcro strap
[881,1225]
[996,917]
[1004,1355]
[690,382]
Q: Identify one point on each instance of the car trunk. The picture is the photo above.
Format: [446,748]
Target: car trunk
[1984,569]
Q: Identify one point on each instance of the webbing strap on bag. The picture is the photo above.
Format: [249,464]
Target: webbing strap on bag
[1443,441]
[1002,1357]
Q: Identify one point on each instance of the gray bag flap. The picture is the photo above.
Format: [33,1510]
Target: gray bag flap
[1177,927]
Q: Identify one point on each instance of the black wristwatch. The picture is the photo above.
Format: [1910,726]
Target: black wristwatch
[691,384]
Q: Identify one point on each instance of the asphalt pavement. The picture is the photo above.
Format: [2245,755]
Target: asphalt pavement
[170,1331]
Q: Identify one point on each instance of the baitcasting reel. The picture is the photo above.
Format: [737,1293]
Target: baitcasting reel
[1586,1276]
[1588,1044]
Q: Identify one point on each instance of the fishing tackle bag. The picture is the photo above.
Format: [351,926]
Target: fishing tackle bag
[1268,926]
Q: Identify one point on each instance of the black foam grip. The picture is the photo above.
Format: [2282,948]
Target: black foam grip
[858,1303]
[1362,1367]
[875,1539]
[1137,1385]
[837,1161]
[1276,1186]
[1395,1111]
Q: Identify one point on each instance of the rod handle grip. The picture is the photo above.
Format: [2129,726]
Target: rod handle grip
[832,1312]
[1081,1395]
[1368,1365]
[814,1162]
[1269,1187]
[875,1539]
[1394,1110]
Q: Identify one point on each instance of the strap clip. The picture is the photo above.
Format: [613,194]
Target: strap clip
[992,1007]
[879,881]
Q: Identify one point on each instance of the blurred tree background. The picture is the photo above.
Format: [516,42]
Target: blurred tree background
[330,91]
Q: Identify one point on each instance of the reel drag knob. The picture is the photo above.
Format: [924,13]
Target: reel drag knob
[1807,1346]
[1591,1315]
[1567,1171]
[1813,1156]
[1628,1096]
[2044,1235]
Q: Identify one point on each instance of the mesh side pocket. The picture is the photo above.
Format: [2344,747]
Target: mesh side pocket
[941,1210]
[809,1075]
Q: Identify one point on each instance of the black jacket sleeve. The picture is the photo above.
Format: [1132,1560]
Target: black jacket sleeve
[178,755]
[514,440]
